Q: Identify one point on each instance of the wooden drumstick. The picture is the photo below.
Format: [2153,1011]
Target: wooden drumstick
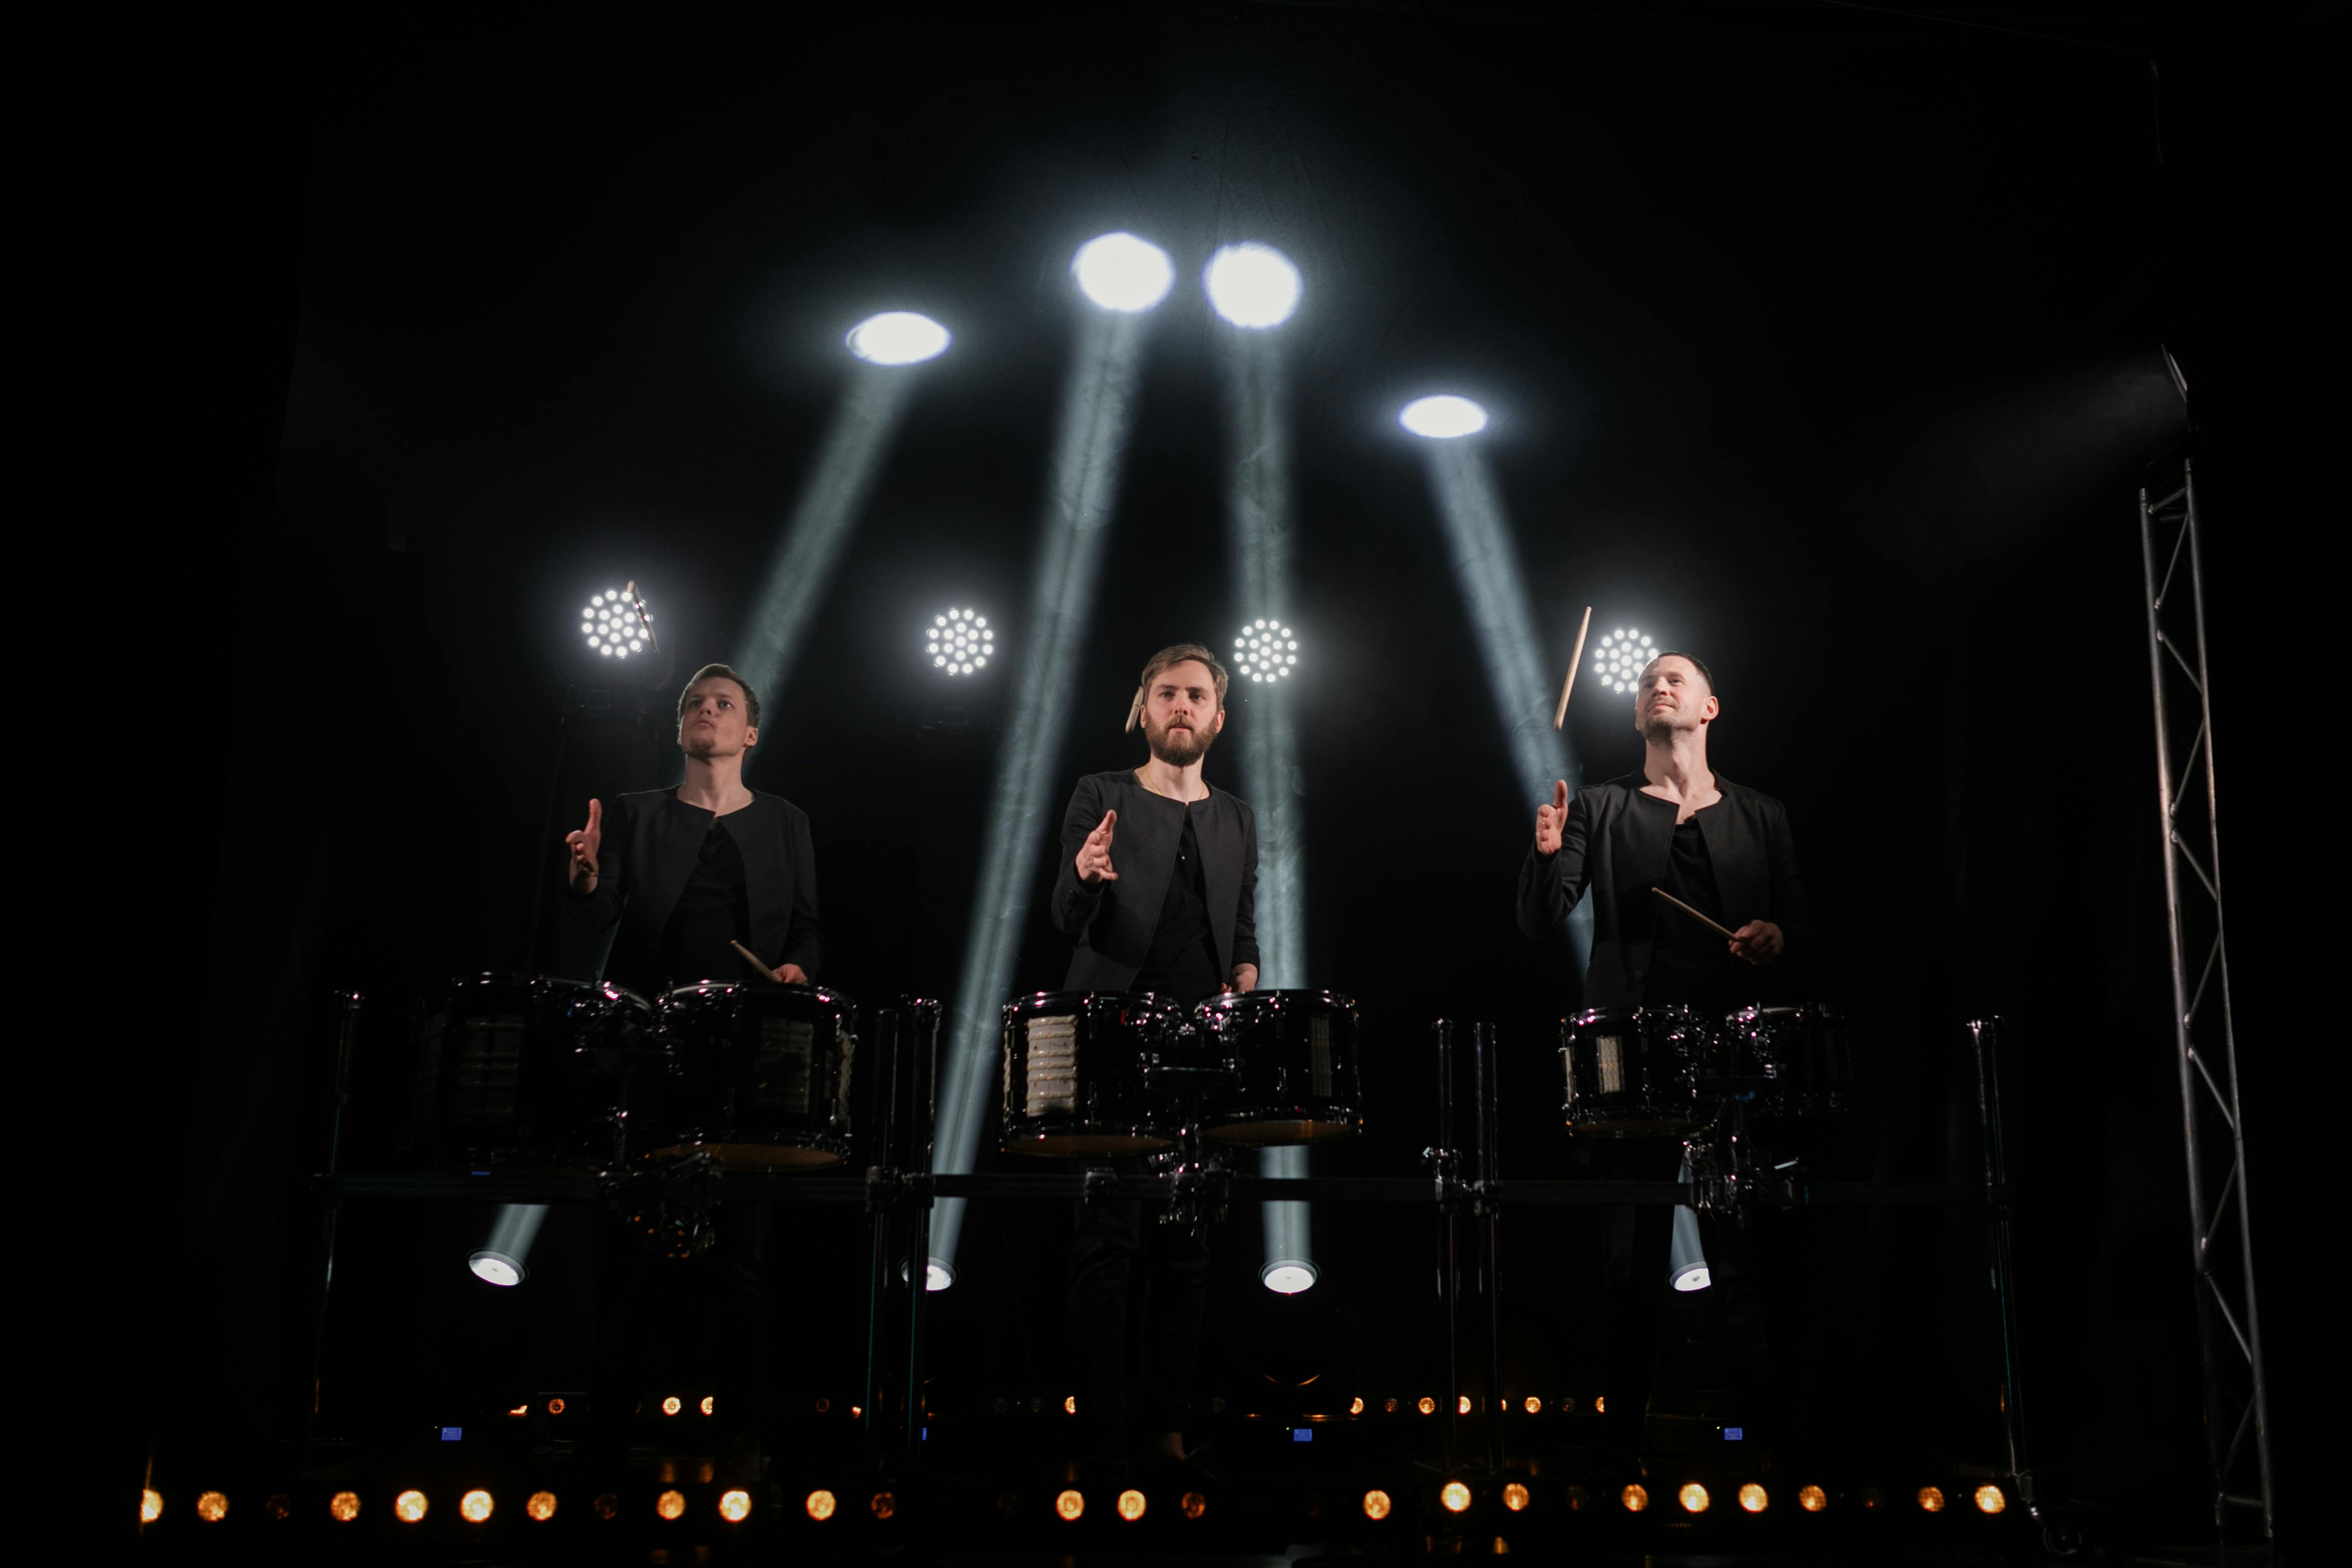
[751,958]
[1559,714]
[1134,711]
[1693,914]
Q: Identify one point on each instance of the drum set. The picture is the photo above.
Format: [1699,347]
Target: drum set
[1665,1071]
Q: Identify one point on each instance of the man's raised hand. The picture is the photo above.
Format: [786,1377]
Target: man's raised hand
[1094,855]
[584,845]
[1552,819]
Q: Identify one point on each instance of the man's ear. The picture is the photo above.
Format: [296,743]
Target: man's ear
[1221,724]
[751,738]
[1713,708]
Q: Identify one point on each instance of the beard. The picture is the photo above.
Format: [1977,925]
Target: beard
[1177,748]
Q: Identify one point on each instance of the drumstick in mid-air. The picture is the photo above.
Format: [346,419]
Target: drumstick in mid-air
[752,958]
[1693,914]
[1134,709]
[1559,714]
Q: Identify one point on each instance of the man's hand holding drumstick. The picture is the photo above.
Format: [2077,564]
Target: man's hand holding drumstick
[1758,942]
[790,975]
[1094,856]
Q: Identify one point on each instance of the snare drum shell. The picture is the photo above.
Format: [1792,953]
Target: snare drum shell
[1801,1056]
[760,1076]
[1074,1074]
[530,1072]
[1632,1072]
[1293,1056]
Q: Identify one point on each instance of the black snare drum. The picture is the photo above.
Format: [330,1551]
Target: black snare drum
[1784,1060]
[1293,1057]
[761,1077]
[1632,1072]
[1076,1079]
[534,1073]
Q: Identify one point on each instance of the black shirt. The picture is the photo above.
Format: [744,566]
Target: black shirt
[713,912]
[1689,963]
[1182,961]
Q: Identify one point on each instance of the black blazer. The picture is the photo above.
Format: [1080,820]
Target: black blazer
[1617,843]
[1112,923]
[651,839]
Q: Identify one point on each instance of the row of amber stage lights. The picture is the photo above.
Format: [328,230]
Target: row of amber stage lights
[476,1506]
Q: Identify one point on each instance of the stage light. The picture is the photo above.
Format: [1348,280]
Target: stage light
[710,1402]
[1267,651]
[672,1405]
[899,338]
[1195,1505]
[409,1507]
[344,1507]
[1754,1498]
[1533,1405]
[555,1407]
[1990,1499]
[1070,1504]
[1812,1499]
[475,1507]
[1621,657]
[151,1505]
[1693,1496]
[212,1507]
[1377,1504]
[1686,1267]
[1464,1405]
[1931,1498]
[500,1260]
[670,1504]
[617,623]
[1515,1496]
[1427,1406]
[1635,1498]
[1253,285]
[1069,1404]
[1443,418]
[735,1506]
[539,1506]
[1130,1505]
[1872,1497]
[960,642]
[1356,1406]
[1455,1496]
[1287,1276]
[1600,1404]
[820,1505]
[938,1275]
[279,1505]
[1120,272]
[608,1505]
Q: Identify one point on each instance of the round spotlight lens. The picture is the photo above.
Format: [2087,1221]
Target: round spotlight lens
[1443,418]
[735,1506]
[1356,1406]
[475,1507]
[820,1505]
[1455,1496]
[496,1269]
[1257,652]
[1377,1504]
[1287,1276]
[672,1405]
[1931,1498]
[1635,1498]
[1195,1505]
[1120,272]
[409,1507]
[1754,1498]
[1812,1499]
[1070,1504]
[344,1507]
[539,1506]
[1130,1505]
[710,1402]
[897,338]
[1694,1276]
[1693,1496]
[670,1505]
[937,1276]
[1463,1405]
[1990,1499]
[1427,1406]
[1515,1496]
[608,1505]
[1533,1405]
[1253,285]
[212,1507]
[151,1505]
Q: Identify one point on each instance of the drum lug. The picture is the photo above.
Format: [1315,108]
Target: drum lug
[1101,1182]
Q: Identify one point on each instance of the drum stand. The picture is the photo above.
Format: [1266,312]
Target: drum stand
[898,1201]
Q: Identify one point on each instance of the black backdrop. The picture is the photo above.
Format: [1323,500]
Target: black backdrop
[1825,343]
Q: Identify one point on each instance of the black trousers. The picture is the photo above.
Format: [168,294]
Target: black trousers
[1120,1251]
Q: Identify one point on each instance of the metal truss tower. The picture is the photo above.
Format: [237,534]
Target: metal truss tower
[2229,1328]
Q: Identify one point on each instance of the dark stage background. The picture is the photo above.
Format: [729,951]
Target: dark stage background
[1823,340]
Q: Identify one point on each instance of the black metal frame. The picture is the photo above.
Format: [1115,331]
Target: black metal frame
[2204,1036]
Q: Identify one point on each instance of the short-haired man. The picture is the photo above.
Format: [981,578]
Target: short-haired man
[684,874]
[1156,888]
[1678,825]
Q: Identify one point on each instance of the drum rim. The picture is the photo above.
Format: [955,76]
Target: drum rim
[826,994]
[1341,1000]
[1659,1009]
[1051,1003]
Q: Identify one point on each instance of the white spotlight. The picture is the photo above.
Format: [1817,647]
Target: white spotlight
[617,623]
[1267,651]
[1619,658]
[960,642]
[938,1275]
[1444,417]
[1120,272]
[1287,1276]
[897,338]
[1253,285]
